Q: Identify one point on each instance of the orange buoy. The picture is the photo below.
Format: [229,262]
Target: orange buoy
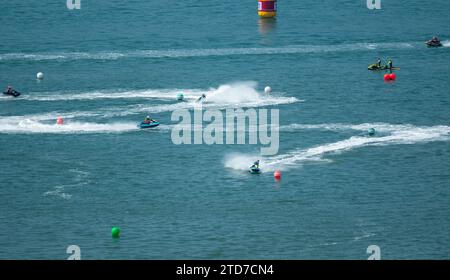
[277,175]
[267,8]
[59,120]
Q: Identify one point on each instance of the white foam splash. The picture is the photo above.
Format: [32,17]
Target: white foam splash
[397,135]
[241,161]
[446,43]
[235,95]
[33,126]
[163,94]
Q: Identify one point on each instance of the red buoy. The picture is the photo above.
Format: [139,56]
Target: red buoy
[277,175]
[59,120]
[392,76]
[387,77]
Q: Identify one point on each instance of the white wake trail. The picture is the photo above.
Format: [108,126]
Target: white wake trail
[396,135]
[28,126]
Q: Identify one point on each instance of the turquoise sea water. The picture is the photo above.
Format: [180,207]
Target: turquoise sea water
[112,63]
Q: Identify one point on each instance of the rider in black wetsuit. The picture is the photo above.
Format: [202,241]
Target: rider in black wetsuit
[390,65]
[201,97]
[435,40]
[9,90]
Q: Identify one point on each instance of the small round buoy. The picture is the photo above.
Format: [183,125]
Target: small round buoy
[40,76]
[277,175]
[371,131]
[387,77]
[180,96]
[115,232]
[267,90]
[59,120]
[392,76]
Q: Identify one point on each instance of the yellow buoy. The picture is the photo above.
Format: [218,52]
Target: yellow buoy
[267,8]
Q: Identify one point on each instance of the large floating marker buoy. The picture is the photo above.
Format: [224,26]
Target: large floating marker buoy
[267,90]
[59,120]
[267,8]
[180,96]
[40,76]
[115,232]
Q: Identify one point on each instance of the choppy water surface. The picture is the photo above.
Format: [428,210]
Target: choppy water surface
[110,64]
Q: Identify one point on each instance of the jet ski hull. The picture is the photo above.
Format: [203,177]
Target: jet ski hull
[144,125]
[254,170]
[375,67]
[15,93]
[434,45]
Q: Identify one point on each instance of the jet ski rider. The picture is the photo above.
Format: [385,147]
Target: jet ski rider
[435,39]
[9,90]
[389,64]
[201,97]
[148,120]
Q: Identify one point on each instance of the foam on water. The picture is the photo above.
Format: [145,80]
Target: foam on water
[187,53]
[236,95]
[397,135]
[58,192]
[34,126]
[241,161]
[80,179]
[163,94]
[380,127]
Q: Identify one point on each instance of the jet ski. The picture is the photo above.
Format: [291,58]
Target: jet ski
[254,170]
[13,93]
[148,125]
[375,67]
[433,44]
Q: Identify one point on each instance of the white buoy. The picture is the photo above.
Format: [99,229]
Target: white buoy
[267,90]
[40,76]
